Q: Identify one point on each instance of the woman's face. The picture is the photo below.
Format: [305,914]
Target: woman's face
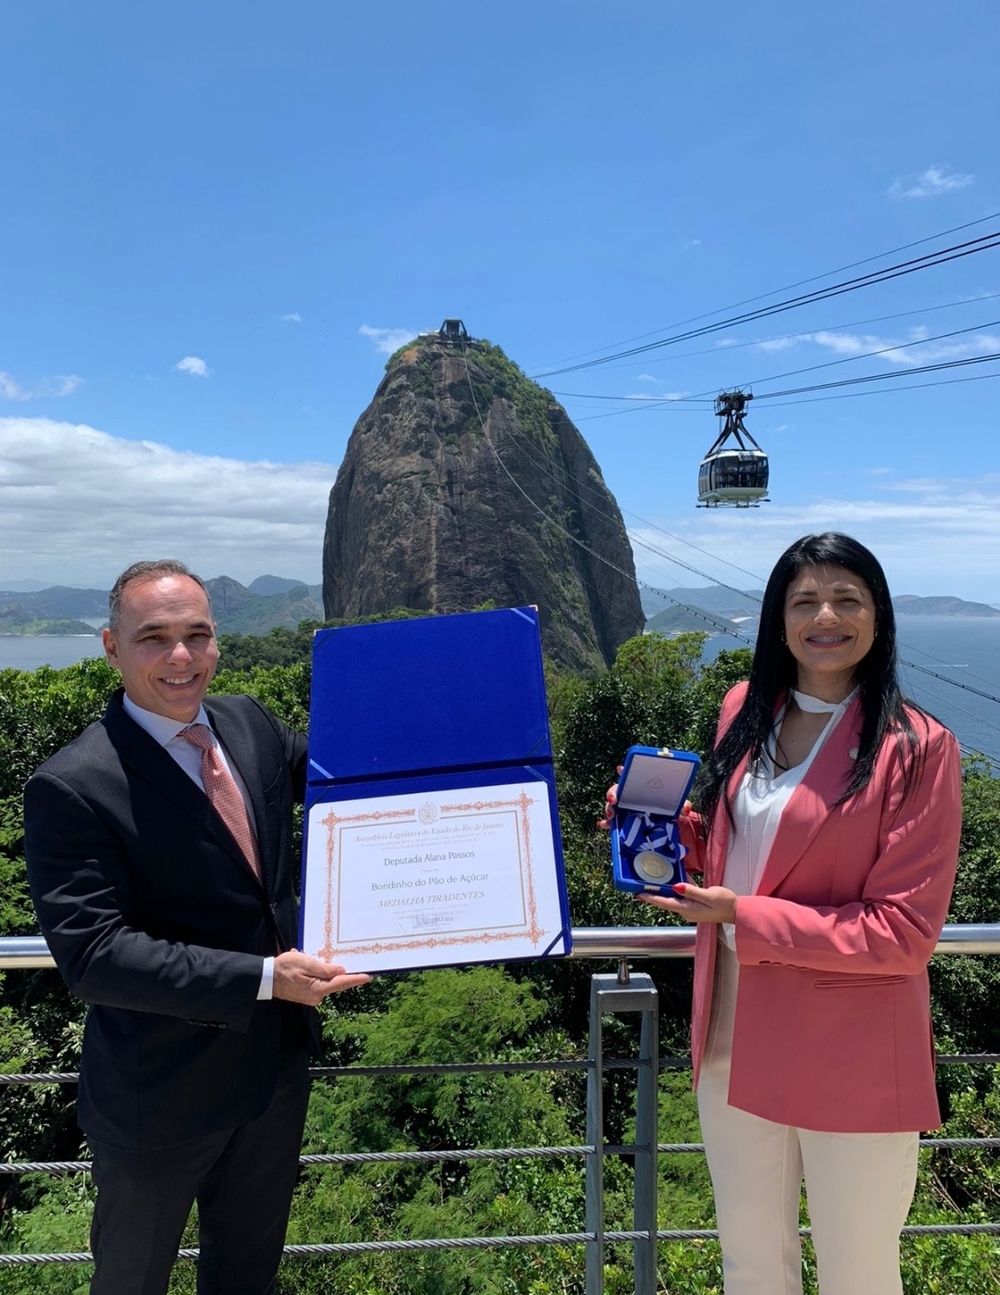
[829,628]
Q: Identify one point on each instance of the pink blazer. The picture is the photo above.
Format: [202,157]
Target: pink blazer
[833,1028]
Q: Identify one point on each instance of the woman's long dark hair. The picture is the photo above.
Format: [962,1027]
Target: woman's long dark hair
[773,675]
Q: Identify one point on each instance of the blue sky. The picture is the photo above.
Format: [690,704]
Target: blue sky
[217,218]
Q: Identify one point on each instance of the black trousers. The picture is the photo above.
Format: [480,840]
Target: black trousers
[242,1180]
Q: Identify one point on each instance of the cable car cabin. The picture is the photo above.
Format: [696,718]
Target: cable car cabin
[735,475]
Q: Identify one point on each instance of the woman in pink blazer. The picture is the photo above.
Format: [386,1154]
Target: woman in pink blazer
[828,839]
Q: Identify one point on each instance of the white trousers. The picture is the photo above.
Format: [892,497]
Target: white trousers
[858,1185]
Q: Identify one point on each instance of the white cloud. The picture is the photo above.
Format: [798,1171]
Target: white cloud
[63,384]
[293,317]
[933,536]
[660,395]
[10,390]
[387,340]
[647,377]
[930,183]
[779,343]
[193,365]
[77,505]
[914,349]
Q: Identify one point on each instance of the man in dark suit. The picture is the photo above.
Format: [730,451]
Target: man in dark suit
[159,850]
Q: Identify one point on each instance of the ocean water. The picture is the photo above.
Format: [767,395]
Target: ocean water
[57,650]
[964,653]
[963,650]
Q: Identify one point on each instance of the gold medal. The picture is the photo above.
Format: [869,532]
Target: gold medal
[651,866]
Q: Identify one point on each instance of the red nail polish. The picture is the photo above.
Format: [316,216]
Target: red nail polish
[679,888]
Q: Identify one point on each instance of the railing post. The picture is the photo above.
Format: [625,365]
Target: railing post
[646,1142]
[618,994]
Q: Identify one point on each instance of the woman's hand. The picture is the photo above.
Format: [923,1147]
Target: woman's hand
[611,804]
[696,904]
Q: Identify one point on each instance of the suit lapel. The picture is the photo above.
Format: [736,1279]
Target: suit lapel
[813,800]
[147,758]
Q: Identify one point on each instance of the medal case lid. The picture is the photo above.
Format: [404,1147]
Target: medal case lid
[656,780]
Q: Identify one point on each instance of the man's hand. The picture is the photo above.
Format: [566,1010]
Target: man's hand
[301,979]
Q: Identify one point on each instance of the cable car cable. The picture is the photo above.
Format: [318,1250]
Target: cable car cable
[789,287]
[943,256]
[867,355]
[826,328]
[885,375]
[853,395]
[702,396]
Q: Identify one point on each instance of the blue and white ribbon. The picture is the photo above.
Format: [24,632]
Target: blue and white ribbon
[640,832]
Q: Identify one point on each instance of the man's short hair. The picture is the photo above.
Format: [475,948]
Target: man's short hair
[147,571]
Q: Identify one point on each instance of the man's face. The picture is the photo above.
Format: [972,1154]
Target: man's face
[164,645]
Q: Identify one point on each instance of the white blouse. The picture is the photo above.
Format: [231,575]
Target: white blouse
[761,800]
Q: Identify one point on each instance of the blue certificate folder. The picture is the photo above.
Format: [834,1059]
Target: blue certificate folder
[424,735]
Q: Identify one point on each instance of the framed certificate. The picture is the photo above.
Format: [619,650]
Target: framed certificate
[432,832]
[463,875]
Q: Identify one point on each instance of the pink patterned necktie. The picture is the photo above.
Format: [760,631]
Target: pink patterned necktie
[222,791]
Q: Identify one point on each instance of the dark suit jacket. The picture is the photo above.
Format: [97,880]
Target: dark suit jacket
[155,918]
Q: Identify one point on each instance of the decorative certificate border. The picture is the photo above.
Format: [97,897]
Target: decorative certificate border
[334,824]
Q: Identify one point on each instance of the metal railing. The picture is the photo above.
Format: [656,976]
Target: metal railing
[624,993]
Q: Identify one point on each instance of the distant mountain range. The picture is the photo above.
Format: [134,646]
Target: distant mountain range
[269,601]
[717,609]
[239,609]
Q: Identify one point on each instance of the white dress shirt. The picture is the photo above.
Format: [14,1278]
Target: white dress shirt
[761,800]
[165,731]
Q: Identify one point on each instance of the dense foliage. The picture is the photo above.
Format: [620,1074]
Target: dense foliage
[658,692]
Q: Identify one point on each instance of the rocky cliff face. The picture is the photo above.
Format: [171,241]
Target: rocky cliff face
[464,482]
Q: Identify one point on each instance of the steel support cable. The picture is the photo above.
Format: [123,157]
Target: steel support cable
[489,1067]
[789,287]
[791,373]
[806,334]
[815,400]
[943,256]
[883,376]
[58,1168]
[884,350]
[878,391]
[343,1072]
[349,1248]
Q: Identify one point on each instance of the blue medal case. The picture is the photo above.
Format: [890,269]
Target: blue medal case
[646,853]
[435,703]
